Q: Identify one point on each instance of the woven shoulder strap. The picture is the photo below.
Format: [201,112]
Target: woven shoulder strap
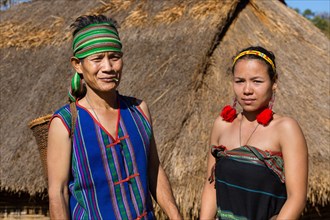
[73,110]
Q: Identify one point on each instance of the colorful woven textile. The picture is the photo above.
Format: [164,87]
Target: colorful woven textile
[249,183]
[109,174]
[96,38]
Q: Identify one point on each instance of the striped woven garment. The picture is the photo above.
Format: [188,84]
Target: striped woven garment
[109,174]
[249,183]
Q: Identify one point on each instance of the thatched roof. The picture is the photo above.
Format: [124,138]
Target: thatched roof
[177,58]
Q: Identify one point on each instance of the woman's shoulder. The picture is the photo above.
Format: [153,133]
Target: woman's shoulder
[286,126]
[284,122]
[221,125]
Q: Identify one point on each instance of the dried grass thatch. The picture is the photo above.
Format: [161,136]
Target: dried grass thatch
[177,58]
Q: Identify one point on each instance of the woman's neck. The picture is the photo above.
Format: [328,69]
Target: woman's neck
[251,116]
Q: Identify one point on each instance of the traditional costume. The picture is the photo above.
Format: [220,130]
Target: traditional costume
[108,177]
[249,183]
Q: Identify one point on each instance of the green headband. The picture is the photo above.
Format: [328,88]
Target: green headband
[96,38]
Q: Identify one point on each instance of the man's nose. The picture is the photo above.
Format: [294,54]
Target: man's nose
[107,64]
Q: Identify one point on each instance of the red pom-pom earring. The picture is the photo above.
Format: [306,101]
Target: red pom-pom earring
[266,115]
[228,113]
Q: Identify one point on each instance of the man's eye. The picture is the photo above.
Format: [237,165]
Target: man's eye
[116,56]
[96,59]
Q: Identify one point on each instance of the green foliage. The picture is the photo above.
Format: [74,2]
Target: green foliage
[322,21]
[308,14]
[297,10]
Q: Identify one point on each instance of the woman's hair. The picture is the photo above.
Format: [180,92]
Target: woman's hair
[260,53]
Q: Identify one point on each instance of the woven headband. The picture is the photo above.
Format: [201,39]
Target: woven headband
[96,38]
[257,53]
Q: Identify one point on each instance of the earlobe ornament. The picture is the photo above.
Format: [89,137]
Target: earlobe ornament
[266,115]
[229,113]
[75,87]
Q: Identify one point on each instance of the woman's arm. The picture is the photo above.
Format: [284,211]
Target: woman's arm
[295,157]
[209,206]
[58,165]
[159,184]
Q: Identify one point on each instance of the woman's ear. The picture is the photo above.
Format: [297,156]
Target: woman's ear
[275,79]
[274,87]
[76,64]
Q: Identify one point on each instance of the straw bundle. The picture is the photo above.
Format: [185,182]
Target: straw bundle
[28,35]
[203,9]
[319,190]
[170,15]
[137,17]
[114,6]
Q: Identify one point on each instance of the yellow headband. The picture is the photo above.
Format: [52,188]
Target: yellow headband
[257,53]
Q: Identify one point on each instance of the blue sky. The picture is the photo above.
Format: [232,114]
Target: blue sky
[317,6]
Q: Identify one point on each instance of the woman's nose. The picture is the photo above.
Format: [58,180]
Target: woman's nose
[247,88]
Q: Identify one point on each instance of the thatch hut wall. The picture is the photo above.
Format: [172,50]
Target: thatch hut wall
[177,58]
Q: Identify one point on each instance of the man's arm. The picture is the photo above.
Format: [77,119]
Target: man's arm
[58,165]
[159,184]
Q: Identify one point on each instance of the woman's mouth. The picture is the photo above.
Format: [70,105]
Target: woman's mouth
[248,101]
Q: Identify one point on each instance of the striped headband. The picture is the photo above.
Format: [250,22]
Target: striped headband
[96,38]
[257,53]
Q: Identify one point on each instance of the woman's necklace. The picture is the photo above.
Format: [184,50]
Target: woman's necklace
[92,109]
[240,133]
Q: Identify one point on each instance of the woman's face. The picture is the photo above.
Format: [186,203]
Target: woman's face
[102,71]
[252,85]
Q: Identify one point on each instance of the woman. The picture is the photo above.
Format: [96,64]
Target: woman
[109,165]
[258,159]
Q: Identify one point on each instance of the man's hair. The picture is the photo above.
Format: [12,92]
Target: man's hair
[86,20]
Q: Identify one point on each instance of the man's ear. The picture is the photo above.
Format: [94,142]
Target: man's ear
[76,64]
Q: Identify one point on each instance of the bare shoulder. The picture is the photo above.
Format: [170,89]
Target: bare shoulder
[220,127]
[57,130]
[285,124]
[57,124]
[290,134]
[220,123]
